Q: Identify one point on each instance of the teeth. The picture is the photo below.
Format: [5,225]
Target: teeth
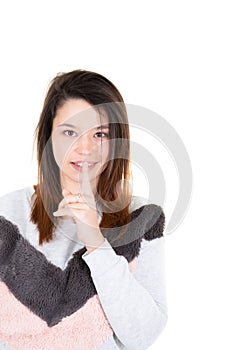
[81,164]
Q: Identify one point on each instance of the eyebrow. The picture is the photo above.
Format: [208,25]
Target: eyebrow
[104,126]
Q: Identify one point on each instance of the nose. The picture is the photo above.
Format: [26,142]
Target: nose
[84,144]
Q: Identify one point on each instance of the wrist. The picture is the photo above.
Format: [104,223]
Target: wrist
[91,248]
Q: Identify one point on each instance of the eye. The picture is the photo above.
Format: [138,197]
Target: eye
[101,134]
[69,132]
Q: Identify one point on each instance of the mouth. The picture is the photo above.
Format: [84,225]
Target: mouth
[79,165]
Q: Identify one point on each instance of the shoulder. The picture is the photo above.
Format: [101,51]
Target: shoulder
[16,204]
[17,194]
[137,202]
[20,195]
[144,235]
[148,215]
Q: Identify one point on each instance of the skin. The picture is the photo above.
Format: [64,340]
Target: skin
[82,142]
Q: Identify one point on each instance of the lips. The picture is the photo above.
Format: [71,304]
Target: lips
[78,165]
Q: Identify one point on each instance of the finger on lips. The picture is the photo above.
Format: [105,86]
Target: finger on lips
[69,198]
[86,184]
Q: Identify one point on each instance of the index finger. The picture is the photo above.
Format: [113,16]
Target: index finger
[86,183]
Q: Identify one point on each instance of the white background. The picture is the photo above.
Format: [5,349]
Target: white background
[175,58]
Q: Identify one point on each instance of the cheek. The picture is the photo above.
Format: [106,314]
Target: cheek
[104,151]
[61,149]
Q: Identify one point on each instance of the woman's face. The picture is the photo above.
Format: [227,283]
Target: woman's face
[77,137]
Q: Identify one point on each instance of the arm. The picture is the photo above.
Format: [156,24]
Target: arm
[134,303]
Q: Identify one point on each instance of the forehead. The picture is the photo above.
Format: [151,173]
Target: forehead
[80,114]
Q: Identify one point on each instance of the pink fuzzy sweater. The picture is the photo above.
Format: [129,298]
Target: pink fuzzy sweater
[57,296]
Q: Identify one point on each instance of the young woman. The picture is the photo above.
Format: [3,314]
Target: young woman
[81,258]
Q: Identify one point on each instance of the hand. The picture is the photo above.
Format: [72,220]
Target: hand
[83,212]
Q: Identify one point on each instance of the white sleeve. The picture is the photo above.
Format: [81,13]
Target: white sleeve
[134,303]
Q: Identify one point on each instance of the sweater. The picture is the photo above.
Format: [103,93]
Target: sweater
[59,296]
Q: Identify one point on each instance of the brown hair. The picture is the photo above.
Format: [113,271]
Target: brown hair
[103,95]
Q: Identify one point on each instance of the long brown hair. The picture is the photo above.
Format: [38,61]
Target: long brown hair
[102,95]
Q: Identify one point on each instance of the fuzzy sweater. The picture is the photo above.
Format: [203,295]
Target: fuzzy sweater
[58,296]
